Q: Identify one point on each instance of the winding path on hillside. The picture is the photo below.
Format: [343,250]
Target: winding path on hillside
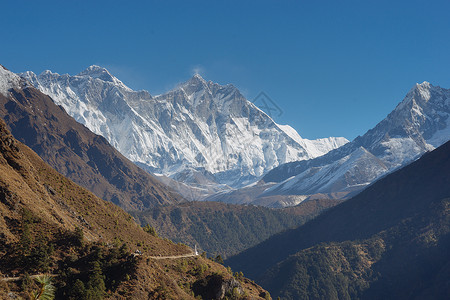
[31,276]
[192,254]
[173,256]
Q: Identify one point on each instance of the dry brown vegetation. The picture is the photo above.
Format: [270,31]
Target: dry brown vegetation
[41,214]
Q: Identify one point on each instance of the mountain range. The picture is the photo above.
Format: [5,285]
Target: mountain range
[90,161]
[199,133]
[217,144]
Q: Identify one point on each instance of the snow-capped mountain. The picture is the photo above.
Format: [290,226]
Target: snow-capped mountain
[9,80]
[420,123]
[199,125]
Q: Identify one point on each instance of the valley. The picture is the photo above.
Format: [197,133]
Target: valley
[325,217]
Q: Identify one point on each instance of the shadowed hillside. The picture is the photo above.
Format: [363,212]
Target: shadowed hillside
[226,229]
[390,241]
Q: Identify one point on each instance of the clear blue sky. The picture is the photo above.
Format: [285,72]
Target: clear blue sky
[335,68]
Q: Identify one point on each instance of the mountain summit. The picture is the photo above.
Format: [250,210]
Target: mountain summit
[95,71]
[8,80]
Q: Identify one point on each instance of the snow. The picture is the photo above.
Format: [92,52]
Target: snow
[420,123]
[400,151]
[441,136]
[8,80]
[199,125]
[291,132]
[359,168]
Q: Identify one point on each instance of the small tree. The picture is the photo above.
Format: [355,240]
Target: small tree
[25,240]
[150,230]
[40,257]
[239,275]
[46,289]
[78,237]
[123,250]
[218,259]
[77,290]
[27,282]
[96,284]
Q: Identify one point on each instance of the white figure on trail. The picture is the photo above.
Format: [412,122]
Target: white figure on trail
[195,250]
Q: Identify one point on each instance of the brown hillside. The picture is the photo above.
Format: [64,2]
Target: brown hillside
[79,154]
[41,213]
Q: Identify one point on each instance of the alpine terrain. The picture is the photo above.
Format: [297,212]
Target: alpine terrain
[90,161]
[420,123]
[200,133]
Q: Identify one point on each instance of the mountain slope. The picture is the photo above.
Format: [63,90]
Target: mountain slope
[199,125]
[418,124]
[219,228]
[50,224]
[343,175]
[76,152]
[396,230]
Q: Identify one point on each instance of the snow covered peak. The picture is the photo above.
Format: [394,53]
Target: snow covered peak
[195,84]
[418,97]
[101,73]
[97,72]
[197,76]
[422,90]
[8,80]
[316,147]
[49,73]
[424,84]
